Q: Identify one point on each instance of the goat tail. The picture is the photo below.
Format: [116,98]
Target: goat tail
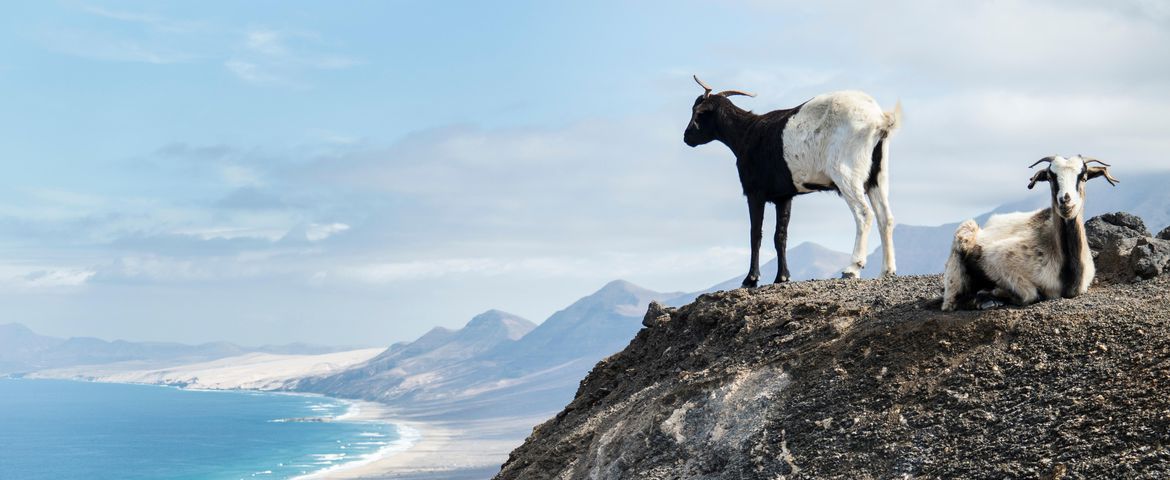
[965,238]
[893,119]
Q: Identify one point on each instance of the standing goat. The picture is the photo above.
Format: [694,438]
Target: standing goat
[835,141]
[1023,257]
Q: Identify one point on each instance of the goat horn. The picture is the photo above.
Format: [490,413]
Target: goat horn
[1042,160]
[704,85]
[1089,160]
[728,93]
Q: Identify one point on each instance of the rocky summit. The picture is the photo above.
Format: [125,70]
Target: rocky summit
[868,379]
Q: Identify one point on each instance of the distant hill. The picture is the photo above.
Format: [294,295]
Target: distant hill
[499,364]
[594,326]
[19,345]
[807,261]
[22,350]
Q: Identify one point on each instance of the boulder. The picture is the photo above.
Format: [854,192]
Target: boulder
[656,314]
[1103,230]
[1150,257]
[1123,249]
[1164,234]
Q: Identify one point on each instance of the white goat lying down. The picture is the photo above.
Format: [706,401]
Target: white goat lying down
[1024,257]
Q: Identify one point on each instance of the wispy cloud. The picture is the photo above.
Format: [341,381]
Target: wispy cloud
[20,278]
[151,20]
[270,57]
[316,232]
[104,46]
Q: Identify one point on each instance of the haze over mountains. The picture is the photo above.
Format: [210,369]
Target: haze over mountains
[22,350]
[499,364]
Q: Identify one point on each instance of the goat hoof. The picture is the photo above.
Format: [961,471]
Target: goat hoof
[889,274]
[990,304]
[850,275]
[750,283]
[782,279]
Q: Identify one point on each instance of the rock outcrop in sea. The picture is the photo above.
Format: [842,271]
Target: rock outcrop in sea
[868,379]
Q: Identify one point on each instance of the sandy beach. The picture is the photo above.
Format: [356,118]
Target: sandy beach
[471,449]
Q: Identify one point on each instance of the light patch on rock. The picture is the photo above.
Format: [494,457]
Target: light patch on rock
[673,425]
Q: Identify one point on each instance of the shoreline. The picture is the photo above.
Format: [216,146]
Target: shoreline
[362,411]
[462,449]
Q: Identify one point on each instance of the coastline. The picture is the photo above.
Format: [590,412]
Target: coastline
[360,411]
[464,449]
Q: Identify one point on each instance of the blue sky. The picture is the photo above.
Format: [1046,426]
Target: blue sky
[266,172]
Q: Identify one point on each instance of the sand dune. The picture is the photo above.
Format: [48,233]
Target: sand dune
[253,371]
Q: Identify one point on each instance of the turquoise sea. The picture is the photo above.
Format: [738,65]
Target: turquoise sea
[55,429]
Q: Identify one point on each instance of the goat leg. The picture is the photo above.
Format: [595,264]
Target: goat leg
[756,212]
[783,213]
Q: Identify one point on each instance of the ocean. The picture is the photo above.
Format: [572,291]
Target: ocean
[57,429]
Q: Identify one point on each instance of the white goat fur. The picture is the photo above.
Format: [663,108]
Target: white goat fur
[830,141]
[1020,252]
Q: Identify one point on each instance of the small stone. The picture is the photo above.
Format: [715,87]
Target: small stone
[656,314]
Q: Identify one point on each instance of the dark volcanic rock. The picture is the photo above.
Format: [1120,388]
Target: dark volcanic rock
[1150,257]
[1164,234]
[1113,238]
[1111,227]
[868,379]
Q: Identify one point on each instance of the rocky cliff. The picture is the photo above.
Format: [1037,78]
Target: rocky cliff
[868,379]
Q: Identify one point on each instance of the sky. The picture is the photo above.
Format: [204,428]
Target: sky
[277,171]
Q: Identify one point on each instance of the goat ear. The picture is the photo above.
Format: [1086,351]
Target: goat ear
[1041,176]
[1094,172]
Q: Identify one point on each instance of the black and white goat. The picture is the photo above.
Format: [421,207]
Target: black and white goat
[1024,257]
[835,141]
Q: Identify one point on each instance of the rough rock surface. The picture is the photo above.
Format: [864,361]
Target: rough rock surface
[1123,249]
[868,379]
[1114,226]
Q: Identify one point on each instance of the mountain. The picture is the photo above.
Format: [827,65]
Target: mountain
[868,379]
[592,327]
[807,261]
[498,364]
[19,345]
[404,370]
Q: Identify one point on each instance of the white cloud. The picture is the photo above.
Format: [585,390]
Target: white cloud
[270,57]
[16,277]
[253,73]
[317,232]
[229,233]
[57,278]
[266,42]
